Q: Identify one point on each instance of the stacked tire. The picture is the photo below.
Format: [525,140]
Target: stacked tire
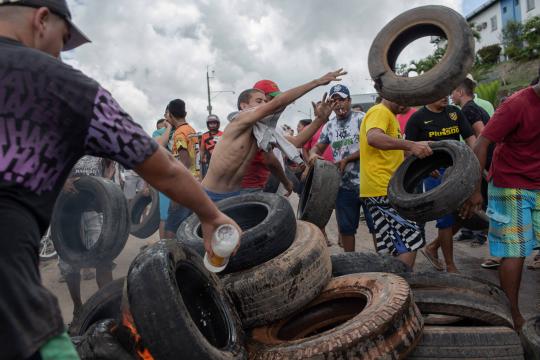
[465,317]
[280,282]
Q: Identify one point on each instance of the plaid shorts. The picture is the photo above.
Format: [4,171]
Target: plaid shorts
[514,221]
[394,235]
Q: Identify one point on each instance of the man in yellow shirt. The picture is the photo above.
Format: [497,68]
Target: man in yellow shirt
[381,152]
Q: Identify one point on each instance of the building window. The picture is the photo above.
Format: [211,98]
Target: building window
[504,9]
[493,23]
[530,5]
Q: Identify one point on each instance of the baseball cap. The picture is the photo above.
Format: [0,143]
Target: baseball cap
[268,87]
[340,90]
[470,77]
[211,118]
[60,8]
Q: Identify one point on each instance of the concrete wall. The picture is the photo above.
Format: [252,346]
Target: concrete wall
[483,25]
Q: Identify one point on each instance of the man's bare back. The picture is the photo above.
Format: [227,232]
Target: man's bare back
[238,146]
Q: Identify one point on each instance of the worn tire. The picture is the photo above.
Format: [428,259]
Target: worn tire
[104,304]
[362,262]
[267,221]
[179,308]
[454,342]
[357,316]
[279,287]
[530,337]
[439,81]
[463,303]
[458,183]
[430,279]
[66,219]
[318,198]
[150,223]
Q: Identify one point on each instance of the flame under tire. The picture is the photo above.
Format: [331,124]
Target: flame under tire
[458,183]
[478,342]
[362,262]
[436,83]
[268,225]
[318,198]
[104,304]
[357,316]
[94,194]
[179,308]
[279,287]
[144,227]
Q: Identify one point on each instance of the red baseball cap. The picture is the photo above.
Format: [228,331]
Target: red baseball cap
[268,87]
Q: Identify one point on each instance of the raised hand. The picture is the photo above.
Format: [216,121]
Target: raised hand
[331,76]
[322,109]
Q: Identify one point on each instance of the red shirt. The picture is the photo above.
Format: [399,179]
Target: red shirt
[208,142]
[257,173]
[515,128]
[327,155]
[404,118]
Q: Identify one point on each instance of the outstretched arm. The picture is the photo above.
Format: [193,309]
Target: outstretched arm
[322,111]
[249,118]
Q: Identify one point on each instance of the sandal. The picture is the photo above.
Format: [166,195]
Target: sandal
[436,263]
[534,264]
[491,264]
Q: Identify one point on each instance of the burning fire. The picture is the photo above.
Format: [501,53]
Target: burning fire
[127,321]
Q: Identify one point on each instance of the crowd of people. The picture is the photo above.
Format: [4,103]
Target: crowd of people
[58,116]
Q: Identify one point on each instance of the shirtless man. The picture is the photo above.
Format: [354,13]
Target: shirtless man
[237,147]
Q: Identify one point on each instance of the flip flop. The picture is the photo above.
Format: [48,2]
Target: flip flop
[434,261]
[491,264]
[534,265]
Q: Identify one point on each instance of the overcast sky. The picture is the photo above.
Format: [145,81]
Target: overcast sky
[149,52]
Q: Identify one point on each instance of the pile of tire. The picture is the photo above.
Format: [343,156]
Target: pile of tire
[464,317]
[276,300]
[284,297]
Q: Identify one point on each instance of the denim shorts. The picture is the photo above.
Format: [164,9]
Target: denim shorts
[348,206]
[177,215]
[431,183]
[164,203]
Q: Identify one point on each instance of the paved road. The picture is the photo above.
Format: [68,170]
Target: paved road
[468,260]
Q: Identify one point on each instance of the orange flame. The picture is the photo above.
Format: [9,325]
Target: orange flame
[127,321]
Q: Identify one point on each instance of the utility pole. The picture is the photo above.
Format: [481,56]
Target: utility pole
[209,107]
[210,92]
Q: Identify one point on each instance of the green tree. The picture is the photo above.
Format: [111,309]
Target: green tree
[513,40]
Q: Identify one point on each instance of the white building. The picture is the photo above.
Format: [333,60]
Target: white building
[365,100]
[490,18]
